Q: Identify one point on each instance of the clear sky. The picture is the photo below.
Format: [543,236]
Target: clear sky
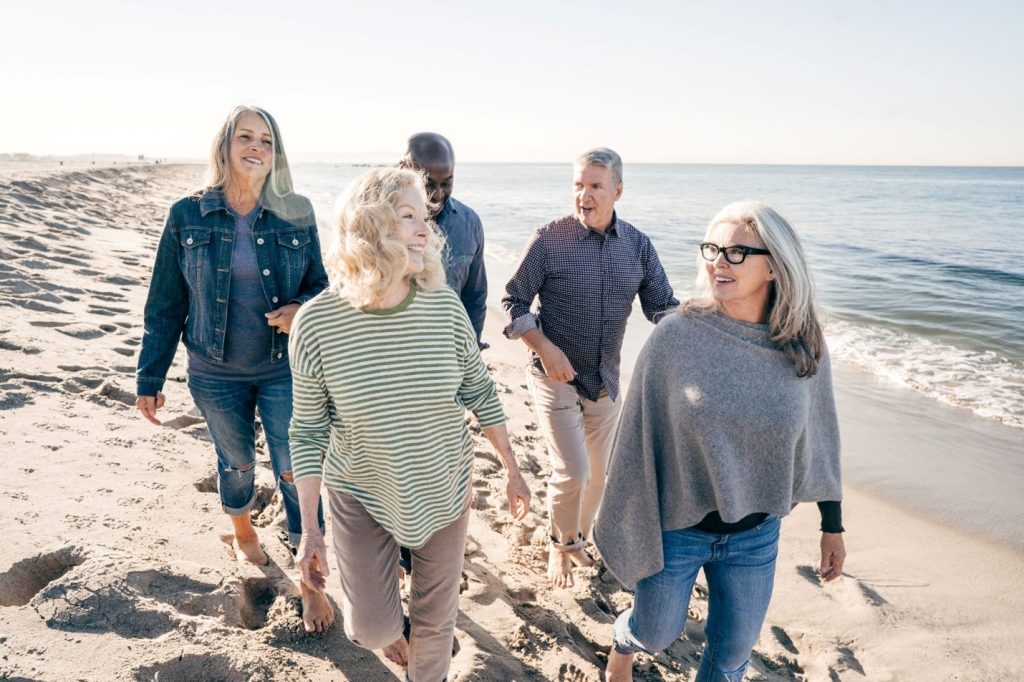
[730,82]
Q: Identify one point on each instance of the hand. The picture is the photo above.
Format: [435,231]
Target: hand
[149,404]
[312,560]
[518,494]
[557,365]
[282,317]
[833,554]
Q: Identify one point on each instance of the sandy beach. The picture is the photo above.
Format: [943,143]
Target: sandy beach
[118,562]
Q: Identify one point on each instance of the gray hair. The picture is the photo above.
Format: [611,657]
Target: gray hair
[279,179]
[601,156]
[793,320]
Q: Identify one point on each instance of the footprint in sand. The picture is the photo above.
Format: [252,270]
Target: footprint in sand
[26,578]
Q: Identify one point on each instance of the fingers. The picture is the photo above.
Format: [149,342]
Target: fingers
[148,405]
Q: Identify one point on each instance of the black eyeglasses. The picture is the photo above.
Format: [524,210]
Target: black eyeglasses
[735,254]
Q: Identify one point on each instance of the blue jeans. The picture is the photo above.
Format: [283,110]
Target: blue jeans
[229,408]
[740,572]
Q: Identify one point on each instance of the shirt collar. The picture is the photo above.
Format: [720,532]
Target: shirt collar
[448,208]
[582,231]
[213,199]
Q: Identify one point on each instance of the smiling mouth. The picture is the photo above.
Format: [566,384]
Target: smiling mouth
[723,280]
[254,161]
[416,248]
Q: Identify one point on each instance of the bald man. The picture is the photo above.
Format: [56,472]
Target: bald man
[432,155]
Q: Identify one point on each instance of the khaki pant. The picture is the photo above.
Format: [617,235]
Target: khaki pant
[579,435]
[371,605]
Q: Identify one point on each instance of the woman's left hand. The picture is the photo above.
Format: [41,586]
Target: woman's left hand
[518,495]
[833,554]
[282,317]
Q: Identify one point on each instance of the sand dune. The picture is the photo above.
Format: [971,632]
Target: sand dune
[118,564]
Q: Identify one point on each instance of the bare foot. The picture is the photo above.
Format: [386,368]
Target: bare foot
[619,668]
[559,568]
[247,543]
[580,558]
[398,652]
[317,614]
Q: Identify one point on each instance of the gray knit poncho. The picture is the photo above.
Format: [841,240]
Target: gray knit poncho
[715,419]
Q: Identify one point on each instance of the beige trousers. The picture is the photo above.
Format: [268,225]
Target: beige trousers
[579,435]
[371,605]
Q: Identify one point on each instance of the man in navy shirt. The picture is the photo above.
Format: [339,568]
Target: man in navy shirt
[432,155]
[586,269]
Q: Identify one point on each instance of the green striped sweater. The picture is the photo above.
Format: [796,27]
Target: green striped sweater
[381,395]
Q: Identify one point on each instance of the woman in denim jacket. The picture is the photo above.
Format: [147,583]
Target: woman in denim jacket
[235,262]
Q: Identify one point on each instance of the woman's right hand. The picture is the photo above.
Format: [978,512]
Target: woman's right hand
[149,404]
[312,559]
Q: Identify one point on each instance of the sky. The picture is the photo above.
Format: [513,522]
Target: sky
[868,82]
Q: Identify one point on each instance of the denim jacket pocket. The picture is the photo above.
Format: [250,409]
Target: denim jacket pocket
[194,252]
[293,247]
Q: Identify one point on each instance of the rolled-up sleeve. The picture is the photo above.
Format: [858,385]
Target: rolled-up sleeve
[522,288]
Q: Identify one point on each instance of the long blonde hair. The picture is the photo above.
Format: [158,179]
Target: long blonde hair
[365,256]
[792,312]
[279,181]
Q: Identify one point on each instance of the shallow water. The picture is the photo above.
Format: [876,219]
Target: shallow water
[920,270]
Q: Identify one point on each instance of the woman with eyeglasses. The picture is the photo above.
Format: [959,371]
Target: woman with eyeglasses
[729,423]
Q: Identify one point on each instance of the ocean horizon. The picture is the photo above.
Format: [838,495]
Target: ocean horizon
[919,268]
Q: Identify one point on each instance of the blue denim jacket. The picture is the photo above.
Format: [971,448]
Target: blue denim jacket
[188,293]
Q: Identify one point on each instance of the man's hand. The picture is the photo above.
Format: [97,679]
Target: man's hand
[149,404]
[833,554]
[282,317]
[556,364]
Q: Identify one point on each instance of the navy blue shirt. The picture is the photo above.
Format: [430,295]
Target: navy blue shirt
[586,282]
[464,259]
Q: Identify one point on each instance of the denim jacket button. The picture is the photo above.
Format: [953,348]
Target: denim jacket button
[279,355]
[274,299]
[189,240]
[260,241]
[266,273]
[295,242]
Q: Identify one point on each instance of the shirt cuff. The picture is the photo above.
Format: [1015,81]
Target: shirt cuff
[831,516]
[520,326]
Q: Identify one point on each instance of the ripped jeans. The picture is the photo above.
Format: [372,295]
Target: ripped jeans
[229,408]
[740,572]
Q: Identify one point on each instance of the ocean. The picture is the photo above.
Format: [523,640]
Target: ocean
[920,270]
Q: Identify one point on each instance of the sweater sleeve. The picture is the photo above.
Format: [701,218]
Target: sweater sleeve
[309,432]
[628,531]
[823,438]
[477,391]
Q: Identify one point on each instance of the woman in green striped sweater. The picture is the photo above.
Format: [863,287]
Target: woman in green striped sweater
[384,365]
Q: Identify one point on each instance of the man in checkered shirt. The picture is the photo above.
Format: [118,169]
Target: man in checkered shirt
[586,269]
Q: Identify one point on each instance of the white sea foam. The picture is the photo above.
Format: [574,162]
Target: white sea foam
[982,382]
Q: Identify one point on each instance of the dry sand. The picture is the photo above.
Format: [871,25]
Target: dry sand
[117,563]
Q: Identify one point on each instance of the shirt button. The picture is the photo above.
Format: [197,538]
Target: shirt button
[189,240]
[266,273]
[260,241]
[295,242]
[274,299]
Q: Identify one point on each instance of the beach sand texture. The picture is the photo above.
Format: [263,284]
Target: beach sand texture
[117,563]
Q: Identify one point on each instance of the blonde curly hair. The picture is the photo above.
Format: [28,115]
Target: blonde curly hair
[365,256]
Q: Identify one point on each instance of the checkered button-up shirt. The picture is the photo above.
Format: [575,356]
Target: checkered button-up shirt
[586,283]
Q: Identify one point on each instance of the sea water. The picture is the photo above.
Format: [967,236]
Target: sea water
[920,270]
